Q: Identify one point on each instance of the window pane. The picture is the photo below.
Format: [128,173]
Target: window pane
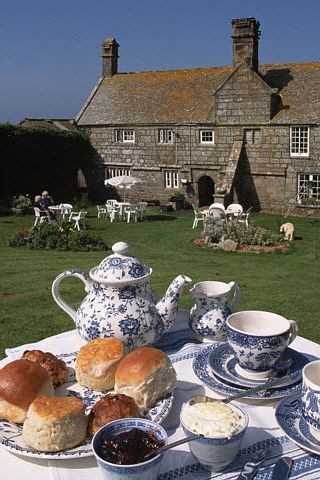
[165,135]
[309,186]
[299,141]
[171,179]
[206,136]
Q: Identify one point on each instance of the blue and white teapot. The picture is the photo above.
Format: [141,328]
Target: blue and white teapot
[120,302]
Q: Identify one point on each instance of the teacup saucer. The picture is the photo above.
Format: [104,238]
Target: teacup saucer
[223,364]
[289,418]
[204,373]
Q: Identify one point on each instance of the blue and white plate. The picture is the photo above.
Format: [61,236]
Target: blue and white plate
[11,433]
[222,362]
[204,373]
[289,418]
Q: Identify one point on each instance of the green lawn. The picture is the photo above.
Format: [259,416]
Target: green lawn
[285,284]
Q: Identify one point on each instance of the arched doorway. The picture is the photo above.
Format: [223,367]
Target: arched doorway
[205,190]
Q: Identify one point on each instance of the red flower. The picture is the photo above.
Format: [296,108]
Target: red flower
[245,246]
[199,241]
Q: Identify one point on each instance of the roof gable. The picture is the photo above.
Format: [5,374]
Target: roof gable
[187,96]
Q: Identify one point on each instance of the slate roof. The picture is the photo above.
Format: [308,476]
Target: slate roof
[186,96]
[49,123]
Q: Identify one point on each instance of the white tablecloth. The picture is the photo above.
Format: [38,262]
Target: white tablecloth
[263,431]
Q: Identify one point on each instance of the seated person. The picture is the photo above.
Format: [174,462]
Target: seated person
[46,201]
[37,203]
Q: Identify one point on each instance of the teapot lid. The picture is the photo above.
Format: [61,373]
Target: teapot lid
[121,267]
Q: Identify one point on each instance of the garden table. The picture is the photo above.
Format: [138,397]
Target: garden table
[178,342]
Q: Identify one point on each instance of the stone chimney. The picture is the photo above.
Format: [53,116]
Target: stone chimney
[109,57]
[245,35]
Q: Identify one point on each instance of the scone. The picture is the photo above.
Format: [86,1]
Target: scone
[111,407]
[97,361]
[146,375]
[56,368]
[55,423]
[21,381]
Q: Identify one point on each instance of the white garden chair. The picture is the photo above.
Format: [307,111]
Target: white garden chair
[102,212]
[244,217]
[132,211]
[198,215]
[142,209]
[78,218]
[217,205]
[234,209]
[113,211]
[41,216]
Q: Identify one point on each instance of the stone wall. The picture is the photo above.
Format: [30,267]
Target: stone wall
[266,176]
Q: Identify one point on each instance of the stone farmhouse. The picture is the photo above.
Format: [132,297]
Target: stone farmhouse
[248,132]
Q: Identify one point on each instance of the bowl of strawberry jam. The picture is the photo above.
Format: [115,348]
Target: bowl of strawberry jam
[129,447]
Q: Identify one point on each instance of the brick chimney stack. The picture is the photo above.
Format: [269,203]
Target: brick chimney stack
[245,35]
[109,57]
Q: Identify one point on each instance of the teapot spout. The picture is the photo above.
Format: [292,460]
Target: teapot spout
[168,305]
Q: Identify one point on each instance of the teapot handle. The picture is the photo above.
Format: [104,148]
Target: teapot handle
[56,294]
[236,295]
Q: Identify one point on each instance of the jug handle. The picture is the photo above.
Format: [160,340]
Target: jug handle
[293,330]
[56,294]
[236,294]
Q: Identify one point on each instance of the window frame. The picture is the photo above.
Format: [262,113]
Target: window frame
[253,132]
[299,154]
[206,142]
[171,178]
[303,184]
[115,171]
[120,134]
[163,135]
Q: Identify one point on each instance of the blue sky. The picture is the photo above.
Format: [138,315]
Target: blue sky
[50,49]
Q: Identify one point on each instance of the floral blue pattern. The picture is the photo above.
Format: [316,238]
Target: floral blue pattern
[11,433]
[223,364]
[257,353]
[203,371]
[310,405]
[208,318]
[120,302]
[290,418]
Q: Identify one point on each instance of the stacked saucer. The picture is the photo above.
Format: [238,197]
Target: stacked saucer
[216,367]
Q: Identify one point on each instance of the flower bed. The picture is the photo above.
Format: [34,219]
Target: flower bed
[236,236]
[56,237]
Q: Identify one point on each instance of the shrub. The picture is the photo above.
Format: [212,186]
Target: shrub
[251,235]
[57,236]
[214,228]
[21,201]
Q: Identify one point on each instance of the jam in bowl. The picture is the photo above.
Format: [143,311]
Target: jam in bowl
[122,446]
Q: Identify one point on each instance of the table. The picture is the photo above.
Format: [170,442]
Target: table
[62,212]
[263,431]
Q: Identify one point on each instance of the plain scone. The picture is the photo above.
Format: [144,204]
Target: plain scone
[97,361]
[146,375]
[21,381]
[55,423]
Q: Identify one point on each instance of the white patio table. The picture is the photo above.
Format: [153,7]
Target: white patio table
[263,431]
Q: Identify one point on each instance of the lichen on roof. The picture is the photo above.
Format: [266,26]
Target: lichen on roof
[186,95]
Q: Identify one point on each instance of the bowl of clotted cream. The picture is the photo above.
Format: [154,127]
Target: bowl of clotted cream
[222,426]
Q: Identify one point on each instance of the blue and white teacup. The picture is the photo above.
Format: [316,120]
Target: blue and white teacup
[310,397]
[258,339]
